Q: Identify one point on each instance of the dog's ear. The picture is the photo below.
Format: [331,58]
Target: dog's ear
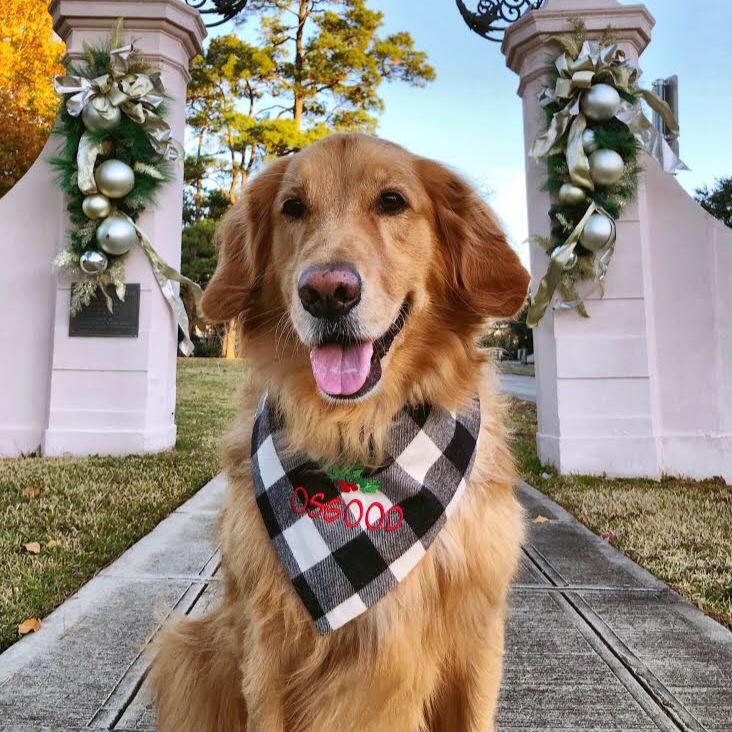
[243,236]
[484,271]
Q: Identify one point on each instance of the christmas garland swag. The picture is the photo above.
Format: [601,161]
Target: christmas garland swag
[596,127]
[118,151]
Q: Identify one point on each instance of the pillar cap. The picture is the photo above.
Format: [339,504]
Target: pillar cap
[632,23]
[172,17]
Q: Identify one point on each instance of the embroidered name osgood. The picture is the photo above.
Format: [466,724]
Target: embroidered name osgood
[346,539]
[352,513]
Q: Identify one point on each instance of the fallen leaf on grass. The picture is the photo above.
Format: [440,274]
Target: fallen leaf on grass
[541,520]
[608,536]
[31,492]
[51,544]
[33,547]
[32,625]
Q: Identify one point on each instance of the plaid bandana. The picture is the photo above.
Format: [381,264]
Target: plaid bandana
[347,537]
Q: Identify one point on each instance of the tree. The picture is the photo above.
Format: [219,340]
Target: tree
[30,55]
[510,335]
[198,262]
[718,200]
[317,69]
[198,251]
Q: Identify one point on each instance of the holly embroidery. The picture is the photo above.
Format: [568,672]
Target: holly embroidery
[352,479]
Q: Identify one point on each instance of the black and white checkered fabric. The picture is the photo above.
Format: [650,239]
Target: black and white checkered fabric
[340,570]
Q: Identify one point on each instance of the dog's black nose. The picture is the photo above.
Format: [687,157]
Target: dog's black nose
[329,291]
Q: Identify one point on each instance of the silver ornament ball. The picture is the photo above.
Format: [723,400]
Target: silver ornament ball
[93,262]
[96,206]
[597,233]
[606,167]
[571,262]
[600,103]
[114,178]
[571,195]
[589,142]
[94,122]
[116,235]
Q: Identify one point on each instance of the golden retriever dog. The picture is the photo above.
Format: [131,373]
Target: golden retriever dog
[355,240]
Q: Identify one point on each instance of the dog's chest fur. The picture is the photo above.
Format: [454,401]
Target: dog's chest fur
[428,621]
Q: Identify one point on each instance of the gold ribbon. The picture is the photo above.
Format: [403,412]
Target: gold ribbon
[558,260]
[165,275]
[137,95]
[86,158]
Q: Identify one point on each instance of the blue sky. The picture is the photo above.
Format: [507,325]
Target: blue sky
[470,118]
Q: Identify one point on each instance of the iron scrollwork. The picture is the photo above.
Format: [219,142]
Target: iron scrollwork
[222,10]
[492,17]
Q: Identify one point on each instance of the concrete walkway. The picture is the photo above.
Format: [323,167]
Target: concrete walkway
[593,641]
[521,387]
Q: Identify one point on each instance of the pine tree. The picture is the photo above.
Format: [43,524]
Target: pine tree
[317,69]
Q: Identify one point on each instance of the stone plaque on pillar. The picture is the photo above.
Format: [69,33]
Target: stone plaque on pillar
[96,320]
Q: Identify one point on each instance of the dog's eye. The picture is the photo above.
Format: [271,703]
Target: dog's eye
[391,202]
[294,208]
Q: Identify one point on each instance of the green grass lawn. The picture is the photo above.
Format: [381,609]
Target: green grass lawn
[94,508]
[679,530]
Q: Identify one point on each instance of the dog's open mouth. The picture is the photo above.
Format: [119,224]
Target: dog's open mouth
[348,370]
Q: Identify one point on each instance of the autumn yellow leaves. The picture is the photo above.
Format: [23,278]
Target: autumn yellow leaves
[30,54]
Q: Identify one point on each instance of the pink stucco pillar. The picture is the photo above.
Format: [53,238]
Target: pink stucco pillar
[595,398]
[639,388]
[116,396]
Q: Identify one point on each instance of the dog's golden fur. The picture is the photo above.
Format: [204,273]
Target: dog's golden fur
[428,656]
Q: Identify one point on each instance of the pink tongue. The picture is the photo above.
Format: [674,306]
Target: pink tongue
[341,369]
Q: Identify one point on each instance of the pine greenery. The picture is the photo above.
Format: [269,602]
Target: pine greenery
[127,142]
[612,135]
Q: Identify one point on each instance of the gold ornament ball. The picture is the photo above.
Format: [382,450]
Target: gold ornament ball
[597,233]
[589,142]
[93,262]
[600,103]
[96,206]
[94,122]
[114,178]
[571,195]
[606,167]
[116,236]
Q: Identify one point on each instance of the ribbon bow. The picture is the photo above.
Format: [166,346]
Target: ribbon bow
[593,65]
[136,94]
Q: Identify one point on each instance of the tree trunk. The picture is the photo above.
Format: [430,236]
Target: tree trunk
[228,349]
[199,180]
[299,100]
[234,188]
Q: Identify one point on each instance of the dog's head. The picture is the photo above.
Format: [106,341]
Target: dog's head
[358,269]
